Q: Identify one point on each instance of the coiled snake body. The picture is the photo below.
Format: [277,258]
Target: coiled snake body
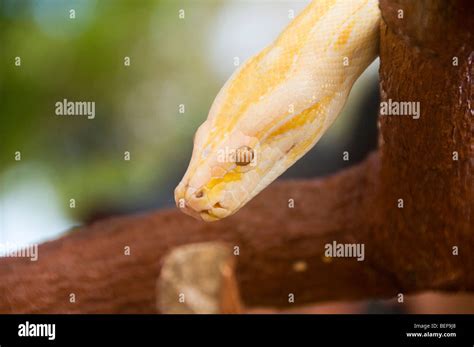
[277,106]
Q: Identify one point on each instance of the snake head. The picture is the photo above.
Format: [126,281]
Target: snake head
[253,133]
[277,105]
[221,176]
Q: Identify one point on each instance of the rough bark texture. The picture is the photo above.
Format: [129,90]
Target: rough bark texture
[406,250]
[90,262]
[417,154]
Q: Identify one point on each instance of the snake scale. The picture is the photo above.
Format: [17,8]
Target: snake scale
[277,105]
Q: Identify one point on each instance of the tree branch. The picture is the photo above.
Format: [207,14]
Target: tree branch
[90,262]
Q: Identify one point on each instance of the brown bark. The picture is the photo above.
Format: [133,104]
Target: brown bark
[271,237]
[406,250]
[417,154]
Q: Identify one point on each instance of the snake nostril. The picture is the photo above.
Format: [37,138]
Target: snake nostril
[217,205]
[199,194]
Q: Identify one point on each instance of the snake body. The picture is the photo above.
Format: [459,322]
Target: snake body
[277,106]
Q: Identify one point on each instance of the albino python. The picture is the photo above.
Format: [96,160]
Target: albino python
[277,105]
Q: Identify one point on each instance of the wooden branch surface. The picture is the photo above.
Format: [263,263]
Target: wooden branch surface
[90,262]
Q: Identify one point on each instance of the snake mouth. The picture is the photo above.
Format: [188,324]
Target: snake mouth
[195,203]
[207,215]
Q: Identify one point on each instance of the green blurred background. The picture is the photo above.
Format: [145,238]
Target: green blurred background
[173,61]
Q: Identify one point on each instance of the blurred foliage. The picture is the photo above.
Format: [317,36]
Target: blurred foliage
[82,59]
[137,106]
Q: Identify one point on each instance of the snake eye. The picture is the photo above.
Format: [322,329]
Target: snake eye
[244,155]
